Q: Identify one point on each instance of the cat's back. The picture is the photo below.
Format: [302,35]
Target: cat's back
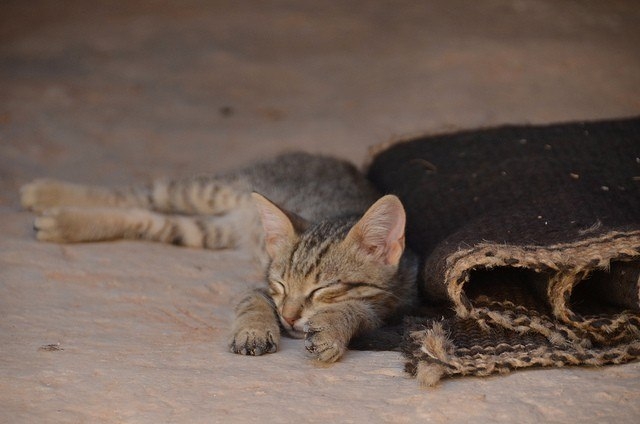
[314,186]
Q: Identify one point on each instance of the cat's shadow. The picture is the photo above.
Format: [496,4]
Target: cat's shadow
[391,337]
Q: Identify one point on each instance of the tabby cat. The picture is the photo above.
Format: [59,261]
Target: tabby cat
[334,256]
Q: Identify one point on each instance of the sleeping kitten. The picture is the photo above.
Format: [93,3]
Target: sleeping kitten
[334,256]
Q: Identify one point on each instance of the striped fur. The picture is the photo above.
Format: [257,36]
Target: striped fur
[326,280]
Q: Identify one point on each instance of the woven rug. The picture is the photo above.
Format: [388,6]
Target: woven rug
[531,234]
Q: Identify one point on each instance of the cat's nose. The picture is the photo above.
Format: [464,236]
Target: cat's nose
[290,320]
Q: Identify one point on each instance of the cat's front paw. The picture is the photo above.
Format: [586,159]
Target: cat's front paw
[323,340]
[254,342]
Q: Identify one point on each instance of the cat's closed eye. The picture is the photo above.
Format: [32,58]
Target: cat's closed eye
[276,287]
[329,292]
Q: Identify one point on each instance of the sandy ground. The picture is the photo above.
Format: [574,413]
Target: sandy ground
[135,332]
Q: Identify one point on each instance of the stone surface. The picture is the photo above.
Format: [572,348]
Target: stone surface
[101,92]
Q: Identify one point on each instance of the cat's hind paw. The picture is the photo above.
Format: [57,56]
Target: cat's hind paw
[254,342]
[72,225]
[42,194]
[51,226]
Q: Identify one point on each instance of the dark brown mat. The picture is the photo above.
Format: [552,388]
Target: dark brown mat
[532,233]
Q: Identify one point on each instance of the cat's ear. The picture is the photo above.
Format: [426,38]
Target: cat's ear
[281,227]
[380,232]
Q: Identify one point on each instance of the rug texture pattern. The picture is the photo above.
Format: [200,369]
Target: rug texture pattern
[532,235]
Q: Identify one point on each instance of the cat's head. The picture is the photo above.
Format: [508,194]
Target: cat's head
[316,265]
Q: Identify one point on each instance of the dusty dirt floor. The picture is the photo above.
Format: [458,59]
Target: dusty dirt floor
[114,92]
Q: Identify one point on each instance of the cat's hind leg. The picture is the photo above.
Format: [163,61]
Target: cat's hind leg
[71,224]
[194,196]
[43,194]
